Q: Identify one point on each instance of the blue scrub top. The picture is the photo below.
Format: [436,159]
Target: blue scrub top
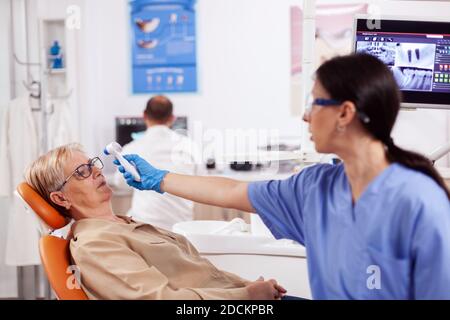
[393,243]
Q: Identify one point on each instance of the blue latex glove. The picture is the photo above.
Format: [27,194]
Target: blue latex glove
[150,176]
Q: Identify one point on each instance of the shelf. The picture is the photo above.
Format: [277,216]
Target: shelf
[55,71]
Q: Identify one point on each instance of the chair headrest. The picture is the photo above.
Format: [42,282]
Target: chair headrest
[48,214]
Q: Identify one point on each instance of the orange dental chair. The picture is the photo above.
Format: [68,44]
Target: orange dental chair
[54,251]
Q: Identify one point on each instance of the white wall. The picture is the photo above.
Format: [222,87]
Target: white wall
[243,68]
[243,71]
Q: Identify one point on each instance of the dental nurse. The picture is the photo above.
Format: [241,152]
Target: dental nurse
[376,226]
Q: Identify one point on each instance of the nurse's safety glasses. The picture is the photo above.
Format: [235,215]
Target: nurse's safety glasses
[84,171]
[322,102]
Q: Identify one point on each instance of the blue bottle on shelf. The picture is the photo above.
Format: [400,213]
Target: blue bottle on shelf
[56,56]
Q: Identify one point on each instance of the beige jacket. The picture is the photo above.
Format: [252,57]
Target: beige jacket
[138,261]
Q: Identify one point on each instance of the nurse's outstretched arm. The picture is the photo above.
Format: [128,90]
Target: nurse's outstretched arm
[216,191]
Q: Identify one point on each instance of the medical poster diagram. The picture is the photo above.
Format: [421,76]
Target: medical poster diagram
[163,46]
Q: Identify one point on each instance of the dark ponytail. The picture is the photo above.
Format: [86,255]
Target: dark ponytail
[417,162]
[370,85]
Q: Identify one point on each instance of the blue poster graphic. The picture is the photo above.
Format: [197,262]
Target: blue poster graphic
[163,46]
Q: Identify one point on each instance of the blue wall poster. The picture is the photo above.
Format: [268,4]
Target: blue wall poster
[163,46]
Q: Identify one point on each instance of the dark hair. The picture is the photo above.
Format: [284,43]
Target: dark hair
[368,83]
[159,108]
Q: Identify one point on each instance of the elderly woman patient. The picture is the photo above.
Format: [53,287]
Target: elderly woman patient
[123,259]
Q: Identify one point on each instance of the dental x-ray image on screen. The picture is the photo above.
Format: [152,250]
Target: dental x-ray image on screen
[411,63]
[413,67]
[416,51]
[385,51]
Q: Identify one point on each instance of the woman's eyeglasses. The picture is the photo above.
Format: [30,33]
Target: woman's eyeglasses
[84,171]
[322,102]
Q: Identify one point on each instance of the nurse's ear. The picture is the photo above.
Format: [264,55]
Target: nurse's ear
[57,197]
[346,114]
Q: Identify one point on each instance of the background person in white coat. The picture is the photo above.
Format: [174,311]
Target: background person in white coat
[165,147]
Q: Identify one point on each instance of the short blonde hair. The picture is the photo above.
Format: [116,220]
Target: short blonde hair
[46,173]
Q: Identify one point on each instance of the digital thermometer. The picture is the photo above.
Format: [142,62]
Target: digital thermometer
[115,150]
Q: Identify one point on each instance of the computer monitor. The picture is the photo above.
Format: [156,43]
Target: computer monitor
[180,125]
[131,128]
[417,52]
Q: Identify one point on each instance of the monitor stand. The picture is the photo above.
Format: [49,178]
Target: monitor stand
[439,152]
[436,155]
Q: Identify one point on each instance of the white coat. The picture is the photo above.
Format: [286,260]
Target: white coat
[60,125]
[164,149]
[19,146]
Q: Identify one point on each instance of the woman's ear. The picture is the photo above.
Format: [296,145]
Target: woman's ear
[60,199]
[348,113]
